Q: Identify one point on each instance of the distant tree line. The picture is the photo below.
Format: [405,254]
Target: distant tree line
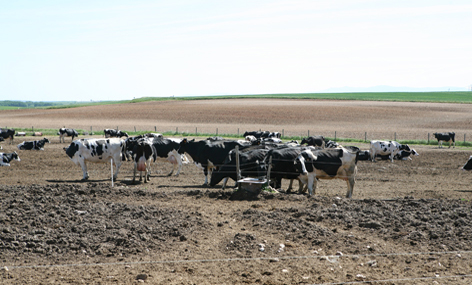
[26,104]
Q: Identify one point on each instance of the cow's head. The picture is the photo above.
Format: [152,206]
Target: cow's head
[15,156]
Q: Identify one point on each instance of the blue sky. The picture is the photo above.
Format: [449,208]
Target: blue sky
[115,50]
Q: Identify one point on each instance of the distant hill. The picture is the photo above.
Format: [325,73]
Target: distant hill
[385,88]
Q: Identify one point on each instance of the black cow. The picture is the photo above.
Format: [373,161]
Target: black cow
[64,132]
[110,133]
[33,145]
[363,155]
[249,165]
[208,154]
[314,141]
[468,164]
[145,154]
[446,137]
[7,133]
[283,165]
[328,164]
[6,158]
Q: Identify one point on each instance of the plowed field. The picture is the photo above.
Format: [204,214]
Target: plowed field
[409,222]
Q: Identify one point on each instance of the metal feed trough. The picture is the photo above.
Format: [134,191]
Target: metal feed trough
[253,185]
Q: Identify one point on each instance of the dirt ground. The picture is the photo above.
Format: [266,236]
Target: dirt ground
[409,222]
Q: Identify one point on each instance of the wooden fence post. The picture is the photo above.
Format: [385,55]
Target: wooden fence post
[428,138]
[334,135]
[365,137]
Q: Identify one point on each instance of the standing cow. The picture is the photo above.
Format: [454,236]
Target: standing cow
[318,141]
[64,132]
[339,163]
[446,137]
[145,154]
[386,148]
[96,150]
[7,134]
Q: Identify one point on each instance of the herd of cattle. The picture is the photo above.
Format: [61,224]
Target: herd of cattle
[259,155]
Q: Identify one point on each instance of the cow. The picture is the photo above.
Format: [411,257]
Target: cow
[363,155]
[7,134]
[82,151]
[318,141]
[281,161]
[249,165]
[446,137]
[145,154]
[207,154]
[166,150]
[390,148]
[33,145]
[468,165]
[111,133]
[64,132]
[401,155]
[331,144]
[6,158]
[262,134]
[339,163]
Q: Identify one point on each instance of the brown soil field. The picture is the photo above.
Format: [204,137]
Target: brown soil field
[409,222]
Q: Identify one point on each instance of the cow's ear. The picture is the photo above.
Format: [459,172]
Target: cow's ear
[192,140]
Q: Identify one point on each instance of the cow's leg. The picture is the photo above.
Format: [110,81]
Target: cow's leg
[289,189]
[118,165]
[311,183]
[350,186]
[225,180]
[205,172]
[84,169]
[134,172]
[302,183]
[372,155]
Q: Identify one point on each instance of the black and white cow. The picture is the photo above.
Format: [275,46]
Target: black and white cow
[449,137]
[262,134]
[96,150]
[7,134]
[33,145]
[167,151]
[468,165]
[331,144]
[111,133]
[318,141]
[145,154]
[6,158]
[250,165]
[390,148]
[337,163]
[64,132]
[401,155]
[282,165]
[207,154]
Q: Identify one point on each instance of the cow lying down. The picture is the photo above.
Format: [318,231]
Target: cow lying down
[327,164]
[33,145]
[6,158]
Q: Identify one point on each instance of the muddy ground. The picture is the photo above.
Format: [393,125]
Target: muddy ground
[409,222]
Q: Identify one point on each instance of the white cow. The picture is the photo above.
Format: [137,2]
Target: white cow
[386,148]
[96,150]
